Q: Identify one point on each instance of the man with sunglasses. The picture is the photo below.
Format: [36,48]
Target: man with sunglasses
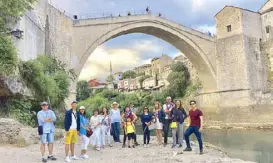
[196,126]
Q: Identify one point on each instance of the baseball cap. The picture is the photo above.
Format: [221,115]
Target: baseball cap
[82,108]
[74,102]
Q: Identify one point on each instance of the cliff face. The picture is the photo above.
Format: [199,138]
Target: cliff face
[13,86]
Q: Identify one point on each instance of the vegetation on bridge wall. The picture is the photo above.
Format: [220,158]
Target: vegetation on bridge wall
[46,77]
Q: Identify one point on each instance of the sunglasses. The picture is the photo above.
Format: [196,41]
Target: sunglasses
[192,104]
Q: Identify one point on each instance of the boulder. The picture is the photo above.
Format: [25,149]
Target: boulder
[13,86]
[13,132]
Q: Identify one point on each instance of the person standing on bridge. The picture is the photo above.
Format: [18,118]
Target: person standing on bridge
[46,119]
[72,128]
[196,126]
[167,108]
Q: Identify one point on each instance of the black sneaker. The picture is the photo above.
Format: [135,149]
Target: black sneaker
[44,160]
[188,149]
[129,146]
[52,158]
[180,146]
[133,146]
[201,152]
[123,145]
[173,146]
[165,144]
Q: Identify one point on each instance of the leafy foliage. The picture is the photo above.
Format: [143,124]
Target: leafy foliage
[83,90]
[11,11]
[141,74]
[179,80]
[8,56]
[45,79]
[129,74]
[109,79]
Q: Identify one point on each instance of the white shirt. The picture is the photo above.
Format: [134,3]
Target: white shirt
[165,108]
[74,121]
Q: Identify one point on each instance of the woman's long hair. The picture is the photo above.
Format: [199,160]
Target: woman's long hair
[158,104]
[180,106]
[102,113]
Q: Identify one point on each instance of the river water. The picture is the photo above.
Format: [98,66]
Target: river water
[246,145]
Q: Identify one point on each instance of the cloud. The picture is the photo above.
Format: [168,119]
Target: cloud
[146,46]
[98,64]
[207,28]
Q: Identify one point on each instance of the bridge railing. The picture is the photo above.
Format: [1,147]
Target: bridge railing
[120,14]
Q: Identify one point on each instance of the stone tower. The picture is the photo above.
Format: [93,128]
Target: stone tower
[239,60]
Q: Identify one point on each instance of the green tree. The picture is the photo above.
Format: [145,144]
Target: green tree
[10,13]
[129,74]
[141,74]
[179,80]
[109,79]
[83,90]
[44,83]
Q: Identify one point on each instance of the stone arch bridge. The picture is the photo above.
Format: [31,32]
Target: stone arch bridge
[198,47]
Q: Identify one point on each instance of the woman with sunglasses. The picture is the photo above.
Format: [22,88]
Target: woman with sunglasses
[146,119]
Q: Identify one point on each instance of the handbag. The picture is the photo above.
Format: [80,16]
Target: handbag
[174,125]
[89,133]
[40,130]
[152,126]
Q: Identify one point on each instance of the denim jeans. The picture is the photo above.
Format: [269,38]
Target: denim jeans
[146,134]
[190,130]
[116,131]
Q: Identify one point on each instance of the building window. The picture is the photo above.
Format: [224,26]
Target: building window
[267,29]
[229,28]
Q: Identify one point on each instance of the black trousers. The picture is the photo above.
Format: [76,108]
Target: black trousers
[166,128]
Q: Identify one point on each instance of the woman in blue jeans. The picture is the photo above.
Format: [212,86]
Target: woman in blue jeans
[115,121]
[146,119]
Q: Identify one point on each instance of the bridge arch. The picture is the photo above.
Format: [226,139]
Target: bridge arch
[89,34]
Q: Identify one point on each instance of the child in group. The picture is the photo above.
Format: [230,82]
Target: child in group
[130,132]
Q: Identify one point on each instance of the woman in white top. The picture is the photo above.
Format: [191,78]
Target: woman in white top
[95,123]
[105,127]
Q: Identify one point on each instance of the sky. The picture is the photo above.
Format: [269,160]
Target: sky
[138,49]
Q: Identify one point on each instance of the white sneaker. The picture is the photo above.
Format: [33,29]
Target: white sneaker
[174,153]
[74,158]
[85,156]
[145,146]
[67,159]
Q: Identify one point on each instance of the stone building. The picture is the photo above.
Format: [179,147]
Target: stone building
[158,64]
[166,72]
[145,69]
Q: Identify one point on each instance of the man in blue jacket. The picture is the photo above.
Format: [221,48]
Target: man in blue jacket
[72,128]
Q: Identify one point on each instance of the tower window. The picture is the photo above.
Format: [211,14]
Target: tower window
[267,29]
[229,28]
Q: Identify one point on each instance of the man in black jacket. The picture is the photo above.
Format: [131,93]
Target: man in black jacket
[72,128]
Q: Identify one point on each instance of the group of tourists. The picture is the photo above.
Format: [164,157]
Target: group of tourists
[104,123]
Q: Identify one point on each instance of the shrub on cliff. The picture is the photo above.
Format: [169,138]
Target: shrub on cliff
[45,78]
